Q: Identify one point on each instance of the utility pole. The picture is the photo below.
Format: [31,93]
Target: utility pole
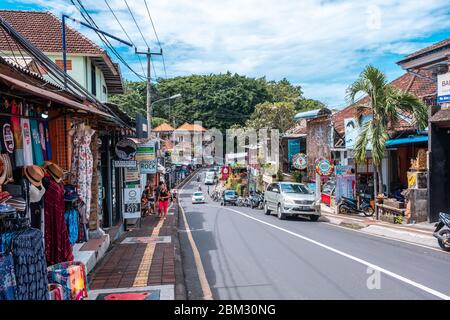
[149,55]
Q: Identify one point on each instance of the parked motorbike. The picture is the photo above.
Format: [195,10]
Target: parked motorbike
[348,205]
[442,231]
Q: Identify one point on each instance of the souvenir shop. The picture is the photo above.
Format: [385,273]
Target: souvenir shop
[44,208]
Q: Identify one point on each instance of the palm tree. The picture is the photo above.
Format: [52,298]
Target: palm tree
[385,105]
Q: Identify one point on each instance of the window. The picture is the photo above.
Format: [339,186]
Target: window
[294,188]
[93,81]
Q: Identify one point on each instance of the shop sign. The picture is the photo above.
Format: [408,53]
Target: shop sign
[299,161]
[125,164]
[148,167]
[146,151]
[132,174]
[132,203]
[341,170]
[352,131]
[126,149]
[324,167]
[225,173]
[444,87]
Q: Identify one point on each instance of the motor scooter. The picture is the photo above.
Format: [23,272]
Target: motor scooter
[348,205]
[442,231]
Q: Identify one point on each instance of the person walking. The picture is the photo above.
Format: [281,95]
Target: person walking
[157,191]
[164,196]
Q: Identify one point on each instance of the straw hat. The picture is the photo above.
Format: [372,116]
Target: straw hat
[2,171]
[35,174]
[55,171]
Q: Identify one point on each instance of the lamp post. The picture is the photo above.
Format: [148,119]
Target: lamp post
[176,96]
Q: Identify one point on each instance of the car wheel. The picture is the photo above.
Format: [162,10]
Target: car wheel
[281,215]
[314,218]
[266,209]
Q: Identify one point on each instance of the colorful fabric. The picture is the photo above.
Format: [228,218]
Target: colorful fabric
[47,141]
[57,244]
[7,278]
[27,144]
[56,291]
[30,266]
[71,217]
[72,277]
[38,157]
[82,166]
[17,131]
[41,129]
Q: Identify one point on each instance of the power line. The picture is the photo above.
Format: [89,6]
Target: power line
[157,38]
[135,22]
[123,29]
[108,44]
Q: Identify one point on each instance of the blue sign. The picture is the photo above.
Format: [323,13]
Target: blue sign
[293,148]
[444,98]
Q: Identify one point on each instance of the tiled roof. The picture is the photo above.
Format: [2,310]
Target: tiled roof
[43,30]
[190,127]
[435,46]
[418,84]
[165,127]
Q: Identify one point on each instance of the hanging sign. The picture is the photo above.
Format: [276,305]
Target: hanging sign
[146,151]
[126,149]
[132,203]
[444,87]
[132,175]
[148,167]
[324,167]
[225,173]
[125,163]
[299,161]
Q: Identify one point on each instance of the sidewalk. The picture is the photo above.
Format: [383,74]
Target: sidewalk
[421,233]
[142,264]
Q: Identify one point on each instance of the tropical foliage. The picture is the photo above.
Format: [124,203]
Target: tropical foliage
[385,106]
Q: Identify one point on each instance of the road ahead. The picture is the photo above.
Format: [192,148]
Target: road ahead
[248,255]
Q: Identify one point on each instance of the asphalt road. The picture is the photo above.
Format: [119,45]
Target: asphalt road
[248,255]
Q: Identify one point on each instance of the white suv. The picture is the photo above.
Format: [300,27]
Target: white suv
[291,199]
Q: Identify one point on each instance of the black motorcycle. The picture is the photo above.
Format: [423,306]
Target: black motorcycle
[348,205]
[442,231]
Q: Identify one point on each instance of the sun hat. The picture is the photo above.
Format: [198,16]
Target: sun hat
[70,193]
[34,174]
[55,171]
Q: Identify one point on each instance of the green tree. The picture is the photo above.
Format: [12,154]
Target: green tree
[385,104]
[156,122]
[309,104]
[134,100]
[278,115]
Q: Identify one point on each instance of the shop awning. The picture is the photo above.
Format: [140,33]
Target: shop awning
[52,96]
[408,140]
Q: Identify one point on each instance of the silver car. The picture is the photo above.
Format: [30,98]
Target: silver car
[291,199]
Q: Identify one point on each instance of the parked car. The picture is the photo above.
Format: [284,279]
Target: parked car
[291,199]
[229,197]
[198,197]
[210,178]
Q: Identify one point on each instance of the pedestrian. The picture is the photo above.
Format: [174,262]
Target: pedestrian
[208,190]
[164,196]
[157,191]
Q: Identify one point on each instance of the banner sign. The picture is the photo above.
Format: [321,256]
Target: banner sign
[299,161]
[341,170]
[126,149]
[148,167]
[444,87]
[132,203]
[352,131]
[146,151]
[132,175]
[293,149]
[324,167]
[125,164]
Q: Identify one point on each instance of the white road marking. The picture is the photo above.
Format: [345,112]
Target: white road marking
[207,293]
[339,252]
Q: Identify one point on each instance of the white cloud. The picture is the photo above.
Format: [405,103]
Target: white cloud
[310,42]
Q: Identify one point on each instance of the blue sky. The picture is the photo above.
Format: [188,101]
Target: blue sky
[320,45]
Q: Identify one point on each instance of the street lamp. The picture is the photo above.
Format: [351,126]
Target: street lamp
[176,96]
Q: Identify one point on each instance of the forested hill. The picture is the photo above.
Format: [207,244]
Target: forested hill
[219,101]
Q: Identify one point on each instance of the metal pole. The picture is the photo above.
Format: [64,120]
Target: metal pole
[149,93]
[64,49]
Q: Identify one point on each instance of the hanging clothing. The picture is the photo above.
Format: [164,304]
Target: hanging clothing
[47,141]
[7,138]
[71,218]
[16,109]
[42,139]
[82,165]
[7,277]
[72,277]
[57,245]
[26,138]
[38,157]
[30,266]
